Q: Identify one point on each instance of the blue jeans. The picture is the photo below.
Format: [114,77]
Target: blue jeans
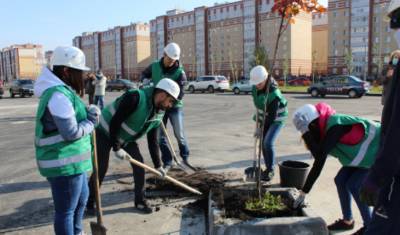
[99,101]
[270,134]
[70,194]
[175,115]
[348,182]
[386,216]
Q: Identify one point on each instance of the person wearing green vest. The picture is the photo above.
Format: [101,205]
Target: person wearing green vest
[63,136]
[274,105]
[169,66]
[353,141]
[136,113]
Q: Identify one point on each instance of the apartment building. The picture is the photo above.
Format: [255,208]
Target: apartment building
[360,40]
[221,39]
[320,43]
[123,51]
[21,61]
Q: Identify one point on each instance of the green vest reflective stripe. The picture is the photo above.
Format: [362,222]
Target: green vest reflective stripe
[139,122]
[362,154]
[54,155]
[157,74]
[259,100]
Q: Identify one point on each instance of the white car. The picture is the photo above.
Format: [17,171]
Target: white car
[209,83]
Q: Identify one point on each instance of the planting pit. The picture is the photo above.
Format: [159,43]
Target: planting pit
[227,214]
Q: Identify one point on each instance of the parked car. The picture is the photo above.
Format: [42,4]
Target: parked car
[21,87]
[1,89]
[209,83]
[340,85]
[241,86]
[120,84]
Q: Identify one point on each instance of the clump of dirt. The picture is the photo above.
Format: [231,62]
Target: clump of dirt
[201,180]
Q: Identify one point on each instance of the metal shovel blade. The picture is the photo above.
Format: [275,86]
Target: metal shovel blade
[98,229]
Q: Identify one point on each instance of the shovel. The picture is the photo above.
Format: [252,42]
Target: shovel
[185,167]
[168,178]
[97,227]
[251,172]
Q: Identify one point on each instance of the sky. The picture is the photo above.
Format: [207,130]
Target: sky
[56,22]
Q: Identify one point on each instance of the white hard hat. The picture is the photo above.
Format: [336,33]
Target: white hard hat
[69,56]
[393,5]
[258,74]
[304,115]
[173,51]
[169,86]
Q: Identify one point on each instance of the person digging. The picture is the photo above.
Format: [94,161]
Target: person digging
[136,113]
[353,141]
[271,104]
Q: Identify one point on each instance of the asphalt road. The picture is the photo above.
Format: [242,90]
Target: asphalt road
[219,130]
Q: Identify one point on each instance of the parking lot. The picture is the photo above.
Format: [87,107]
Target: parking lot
[219,130]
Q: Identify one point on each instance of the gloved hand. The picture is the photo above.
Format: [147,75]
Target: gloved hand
[121,154]
[258,133]
[369,192]
[162,171]
[301,123]
[93,114]
[299,201]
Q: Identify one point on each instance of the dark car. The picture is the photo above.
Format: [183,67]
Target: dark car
[21,87]
[119,84]
[339,85]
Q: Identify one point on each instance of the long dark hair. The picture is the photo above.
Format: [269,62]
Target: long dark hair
[72,77]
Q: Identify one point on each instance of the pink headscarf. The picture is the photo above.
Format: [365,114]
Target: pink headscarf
[325,111]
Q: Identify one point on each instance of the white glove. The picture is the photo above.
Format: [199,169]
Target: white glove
[162,171]
[258,133]
[93,113]
[121,154]
[301,123]
[299,201]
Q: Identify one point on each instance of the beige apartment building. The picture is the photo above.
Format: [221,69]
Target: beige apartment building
[21,61]
[221,39]
[360,40]
[320,44]
[123,51]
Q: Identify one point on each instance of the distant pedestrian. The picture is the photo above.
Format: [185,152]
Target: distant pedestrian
[90,86]
[100,89]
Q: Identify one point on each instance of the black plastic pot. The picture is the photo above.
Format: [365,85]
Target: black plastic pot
[293,173]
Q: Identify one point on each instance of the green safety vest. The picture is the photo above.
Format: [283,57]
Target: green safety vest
[54,155]
[157,74]
[139,122]
[362,154]
[259,100]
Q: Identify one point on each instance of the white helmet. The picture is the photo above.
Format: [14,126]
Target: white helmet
[173,51]
[258,74]
[69,56]
[304,115]
[169,86]
[393,5]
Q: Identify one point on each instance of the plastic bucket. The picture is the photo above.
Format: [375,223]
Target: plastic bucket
[293,173]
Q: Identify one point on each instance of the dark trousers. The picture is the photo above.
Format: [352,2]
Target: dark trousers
[103,156]
[386,215]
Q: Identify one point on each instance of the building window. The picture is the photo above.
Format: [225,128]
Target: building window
[388,39]
[334,14]
[344,32]
[235,7]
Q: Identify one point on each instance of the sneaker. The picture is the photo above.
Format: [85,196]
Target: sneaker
[167,168]
[340,225]
[143,207]
[187,164]
[361,231]
[267,175]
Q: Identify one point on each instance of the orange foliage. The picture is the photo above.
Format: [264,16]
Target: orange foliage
[290,8]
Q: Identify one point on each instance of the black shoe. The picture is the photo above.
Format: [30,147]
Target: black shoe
[340,225]
[361,231]
[267,175]
[188,165]
[143,207]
